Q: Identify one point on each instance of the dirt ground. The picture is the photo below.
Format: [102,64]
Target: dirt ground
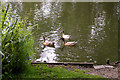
[105,72]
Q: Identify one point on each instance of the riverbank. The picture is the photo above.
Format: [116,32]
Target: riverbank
[110,71]
[67,71]
[54,71]
[104,72]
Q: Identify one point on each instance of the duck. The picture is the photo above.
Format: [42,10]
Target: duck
[68,43]
[48,43]
[66,37]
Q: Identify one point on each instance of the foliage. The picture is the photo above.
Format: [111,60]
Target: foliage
[17,43]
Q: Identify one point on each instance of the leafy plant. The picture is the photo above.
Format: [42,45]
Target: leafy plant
[17,43]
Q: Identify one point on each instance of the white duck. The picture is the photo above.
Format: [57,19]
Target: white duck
[66,37]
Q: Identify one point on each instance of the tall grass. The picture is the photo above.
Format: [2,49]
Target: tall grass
[17,43]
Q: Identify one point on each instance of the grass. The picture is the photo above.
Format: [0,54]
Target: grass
[43,71]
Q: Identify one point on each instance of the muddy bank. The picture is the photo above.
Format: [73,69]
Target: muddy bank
[110,70]
[107,72]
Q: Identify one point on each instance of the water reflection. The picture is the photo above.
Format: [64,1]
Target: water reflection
[46,8]
[97,32]
[48,11]
[48,55]
[47,16]
[98,25]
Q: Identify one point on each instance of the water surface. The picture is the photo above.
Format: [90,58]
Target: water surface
[93,25]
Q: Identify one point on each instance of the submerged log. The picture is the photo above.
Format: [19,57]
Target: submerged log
[85,64]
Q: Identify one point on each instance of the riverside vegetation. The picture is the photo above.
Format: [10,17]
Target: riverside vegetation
[18,48]
[17,43]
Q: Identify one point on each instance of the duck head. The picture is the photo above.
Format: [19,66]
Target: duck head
[62,31]
[43,38]
[62,39]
